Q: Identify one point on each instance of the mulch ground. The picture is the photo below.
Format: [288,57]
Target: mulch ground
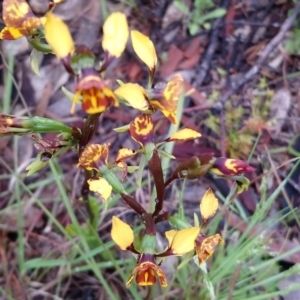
[242,83]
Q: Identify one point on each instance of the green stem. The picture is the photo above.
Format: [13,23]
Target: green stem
[41,47]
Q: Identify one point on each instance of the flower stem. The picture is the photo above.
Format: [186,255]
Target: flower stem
[88,131]
[156,170]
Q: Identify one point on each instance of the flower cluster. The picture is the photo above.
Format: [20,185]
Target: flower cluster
[180,242]
[101,171]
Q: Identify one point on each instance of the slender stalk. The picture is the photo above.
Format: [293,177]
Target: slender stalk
[156,170]
[88,131]
[149,224]
[137,207]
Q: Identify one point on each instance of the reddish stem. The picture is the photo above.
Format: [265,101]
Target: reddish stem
[156,170]
[137,207]
[149,224]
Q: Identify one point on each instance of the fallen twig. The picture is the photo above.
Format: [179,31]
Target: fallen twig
[202,70]
[263,56]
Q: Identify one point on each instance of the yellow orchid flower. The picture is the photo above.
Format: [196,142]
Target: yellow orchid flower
[188,239]
[19,20]
[93,156]
[146,272]
[167,98]
[141,129]
[96,95]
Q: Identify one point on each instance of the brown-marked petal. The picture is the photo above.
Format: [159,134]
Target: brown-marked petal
[205,246]
[115,34]
[144,49]
[141,129]
[93,156]
[15,12]
[167,100]
[96,95]
[228,167]
[19,19]
[121,233]
[125,153]
[134,94]
[146,272]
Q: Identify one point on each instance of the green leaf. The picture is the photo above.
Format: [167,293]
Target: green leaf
[206,25]
[193,28]
[196,220]
[68,94]
[34,62]
[163,153]
[241,181]
[122,128]
[132,169]
[141,170]
[120,82]
[178,223]
[214,14]
[43,158]
[181,5]
[72,230]
[95,209]
[186,259]
[36,165]
[242,184]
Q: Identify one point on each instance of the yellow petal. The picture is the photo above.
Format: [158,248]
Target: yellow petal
[115,34]
[208,205]
[58,36]
[184,135]
[144,49]
[184,240]
[121,233]
[134,94]
[170,235]
[100,186]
